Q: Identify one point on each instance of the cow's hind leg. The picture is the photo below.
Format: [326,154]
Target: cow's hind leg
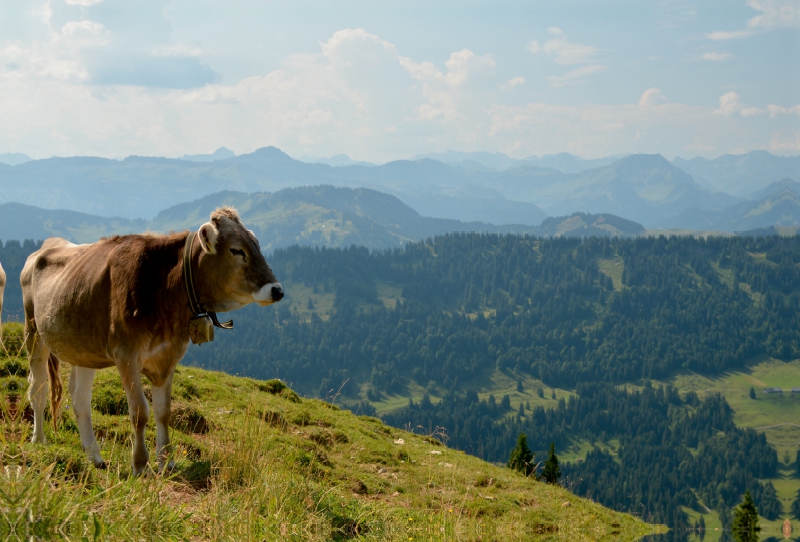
[162,397]
[80,389]
[38,383]
[139,412]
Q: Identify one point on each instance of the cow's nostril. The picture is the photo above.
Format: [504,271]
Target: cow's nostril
[277,293]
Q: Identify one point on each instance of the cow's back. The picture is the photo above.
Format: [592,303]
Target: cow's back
[66,292]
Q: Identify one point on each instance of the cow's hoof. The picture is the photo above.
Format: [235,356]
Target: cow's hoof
[168,468]
[102,465]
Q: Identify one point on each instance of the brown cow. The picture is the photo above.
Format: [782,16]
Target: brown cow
[124,301]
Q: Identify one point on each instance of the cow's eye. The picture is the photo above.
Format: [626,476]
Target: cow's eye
[238,252]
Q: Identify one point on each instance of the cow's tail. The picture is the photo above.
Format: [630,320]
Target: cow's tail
[54,372]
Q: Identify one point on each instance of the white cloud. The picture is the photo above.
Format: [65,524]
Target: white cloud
[562,50]
[716,56]
[81,27]
[84,3]
[775,14]
[575,75]
[652,96]
[511,84]
[568,53]
[729,104]
[775,110]
[718,35]
[355,94]
[785,142]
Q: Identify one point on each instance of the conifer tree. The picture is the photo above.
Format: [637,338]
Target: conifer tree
[752,393]
[551,472]
[521,458]
[795,508]
[521,412]
[797,464]
[701,528]
[519,385]
[745,521]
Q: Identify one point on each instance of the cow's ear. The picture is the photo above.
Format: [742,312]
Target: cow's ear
[208,237]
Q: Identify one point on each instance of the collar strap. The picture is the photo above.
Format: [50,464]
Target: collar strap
[197,310]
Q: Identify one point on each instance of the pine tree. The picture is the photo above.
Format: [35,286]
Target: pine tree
[745,521]
[752,393]
[519,385]
[797,464]
[521,412]
[553,395]
[795,508]
[521,458]
[551,472]
[701,528]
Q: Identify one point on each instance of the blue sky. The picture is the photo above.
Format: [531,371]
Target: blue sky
[387,80]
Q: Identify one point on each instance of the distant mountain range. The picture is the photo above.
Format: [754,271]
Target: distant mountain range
[221,153]
[316,216]
[563,162]
[776,205]
[740,175]
[470,187]
[310,216]
[14,158]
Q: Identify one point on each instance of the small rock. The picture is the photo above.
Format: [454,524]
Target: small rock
[436,452]
[396,494]
[399,441]
[565,504]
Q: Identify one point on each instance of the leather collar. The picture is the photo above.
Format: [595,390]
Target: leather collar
[197,310]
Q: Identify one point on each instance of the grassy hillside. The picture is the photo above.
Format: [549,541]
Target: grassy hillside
[255,461]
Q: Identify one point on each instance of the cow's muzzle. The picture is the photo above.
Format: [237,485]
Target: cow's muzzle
[269,293]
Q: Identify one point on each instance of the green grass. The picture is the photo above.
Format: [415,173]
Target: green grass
[613,268]
[256,462]
[499,383]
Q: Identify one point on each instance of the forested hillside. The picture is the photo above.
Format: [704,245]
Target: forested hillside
[452,310]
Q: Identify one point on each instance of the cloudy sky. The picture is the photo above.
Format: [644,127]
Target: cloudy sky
[386,80]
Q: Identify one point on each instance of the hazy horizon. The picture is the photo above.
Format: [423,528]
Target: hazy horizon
[379,83]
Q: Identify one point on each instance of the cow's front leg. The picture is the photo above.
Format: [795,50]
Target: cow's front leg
[80,389]
[38,380]
[162,401]
[139,413]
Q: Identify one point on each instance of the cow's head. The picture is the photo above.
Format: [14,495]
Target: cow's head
[233,271]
